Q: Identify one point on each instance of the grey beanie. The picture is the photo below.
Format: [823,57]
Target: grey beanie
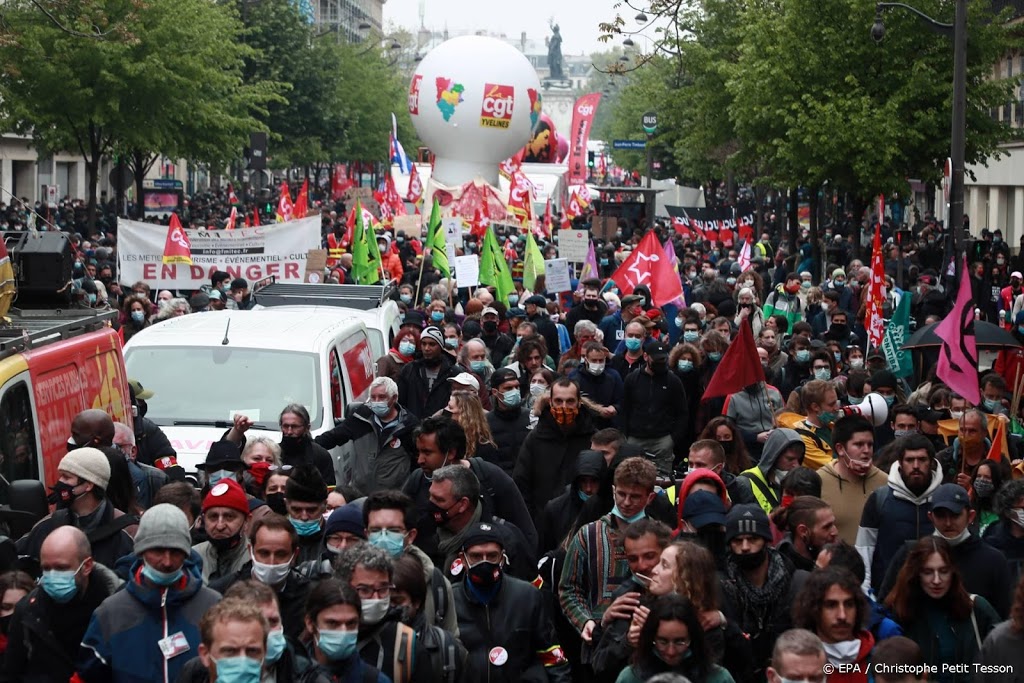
[88,464]
[163,526]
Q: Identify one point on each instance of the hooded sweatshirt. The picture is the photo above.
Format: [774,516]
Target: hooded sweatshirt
[759,479]
[561,515]
[906,518]
[847,497]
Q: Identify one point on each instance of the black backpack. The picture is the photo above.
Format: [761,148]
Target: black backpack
[447,656]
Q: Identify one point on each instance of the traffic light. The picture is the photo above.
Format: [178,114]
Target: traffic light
[590,159]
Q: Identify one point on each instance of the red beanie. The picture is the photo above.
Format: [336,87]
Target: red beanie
[227,493]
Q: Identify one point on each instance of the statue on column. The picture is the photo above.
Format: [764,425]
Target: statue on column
[555,55]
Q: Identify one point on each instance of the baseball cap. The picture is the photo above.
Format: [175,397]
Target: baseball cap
[702,508]
[952,497]
[141,393]
[1017,275]
[466,379]
[490,311]
[482,532]
[655,348]
[502,375]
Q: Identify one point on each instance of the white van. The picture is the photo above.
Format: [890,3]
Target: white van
[206,367]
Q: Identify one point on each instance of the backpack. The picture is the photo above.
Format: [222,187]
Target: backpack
[445,654]
[437,581]
[486,485]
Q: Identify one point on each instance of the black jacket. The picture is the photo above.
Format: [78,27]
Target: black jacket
[291,598]
[560,515]
[605,389]
[547,329]
[109,543]
[383,456]
[44,636]
[500,499]
[516,619]
[309,453]
[421,398]
[292,667]
[498,346]
[999,537]
[509,429]
[580,312]
[653,406]
[151,441]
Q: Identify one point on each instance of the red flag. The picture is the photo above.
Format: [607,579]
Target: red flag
[999,445]
[391,196]
[285,207]
[647,265]
[478,226]
[548,223]
[301,207]
[415,193]
[582,120]
[340,181]
[573,208]
[958,355]
[876,292]
[740,366]
[248,223]
[520,197]
[232,218]
[232,197]
[177,248]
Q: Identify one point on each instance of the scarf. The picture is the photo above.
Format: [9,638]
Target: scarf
[760,600]
[450,543]
[399,356]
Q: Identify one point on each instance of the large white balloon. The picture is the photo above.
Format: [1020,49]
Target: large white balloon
[474,101]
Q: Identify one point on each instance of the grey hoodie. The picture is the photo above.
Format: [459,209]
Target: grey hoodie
[778,441]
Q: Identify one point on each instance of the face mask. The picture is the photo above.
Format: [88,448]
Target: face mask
[426,298]
[685,365]
[793,288]
[451,343]
[275,501]
[275,646]
[511,398]
[856,363]
[60,585]
[838,356]
[714,356]
[900,433]
[889,400]
[840,284]
[290,443]
[691,337]
[513,299]
[490,326]
[584,496]
[407,348]
[1020,328]
[224,544]
[565,417]
[633,344]
[780,475]
[484,576]
[305,528]
[138,316]
[595,368]
[604,262]
[730,281]
[388,541]
[828,417]
[440,514]
[628,520]
[806,284]
[270,574]
[750,561]
[983,487]
[1017,517]
[337,645]
[478,366]
[823,374]
[436,316]
[214,477]
[379,408]
[992,405]
[956,414]
[161,578]
[373,611]
[62,496]
[238,669]
[803,356]
[406,299]
[537,389]
[956,540]
[92,298]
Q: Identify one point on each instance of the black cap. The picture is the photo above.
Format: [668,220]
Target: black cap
[482,532]
[502,375]
[952,497]
[655,348]
[413,317]
[536,300]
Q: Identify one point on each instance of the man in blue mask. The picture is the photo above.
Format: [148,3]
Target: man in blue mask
[305,497]
[510,419]
[234,642]
[71,588]
[126,640]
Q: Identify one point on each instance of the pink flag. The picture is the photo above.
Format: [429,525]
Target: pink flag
[744,259]
[673,262]
[958,356]
[589,267]
[876,292]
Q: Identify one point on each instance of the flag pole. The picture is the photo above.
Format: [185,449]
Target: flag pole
[419,281]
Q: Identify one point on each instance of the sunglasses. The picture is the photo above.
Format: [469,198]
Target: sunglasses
[281,469]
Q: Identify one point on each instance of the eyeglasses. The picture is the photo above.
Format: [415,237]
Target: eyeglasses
[677,643]
[280,469]
[370,592]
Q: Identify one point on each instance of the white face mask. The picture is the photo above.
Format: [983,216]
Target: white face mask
[1017,517]
[374,610]
[956,414]
[595,368]
[956,540]
[780,475]
[270,574]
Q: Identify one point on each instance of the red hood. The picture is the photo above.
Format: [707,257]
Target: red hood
[691,479]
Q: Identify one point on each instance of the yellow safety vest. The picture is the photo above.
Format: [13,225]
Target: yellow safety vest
[763,493]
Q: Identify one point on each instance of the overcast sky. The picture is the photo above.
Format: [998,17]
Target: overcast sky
[577,19]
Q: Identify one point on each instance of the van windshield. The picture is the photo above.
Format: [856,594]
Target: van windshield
[206,386]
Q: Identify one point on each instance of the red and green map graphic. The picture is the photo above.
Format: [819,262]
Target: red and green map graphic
[449,96]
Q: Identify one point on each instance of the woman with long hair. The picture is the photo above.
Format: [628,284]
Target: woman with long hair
[134,316]
[402,351]
[723,430]
[935,610]
[672,641]
[467,410]
[988,478]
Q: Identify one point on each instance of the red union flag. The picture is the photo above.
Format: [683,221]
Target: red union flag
[284,204]
[414,94]
[876,292]
[520,197]
[958,356]
[415,193]
[647,265]
[582,121]
[177,248]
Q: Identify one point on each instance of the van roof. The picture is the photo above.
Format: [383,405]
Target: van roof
[307,328]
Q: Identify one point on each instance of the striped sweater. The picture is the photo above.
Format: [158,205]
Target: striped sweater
[595,565]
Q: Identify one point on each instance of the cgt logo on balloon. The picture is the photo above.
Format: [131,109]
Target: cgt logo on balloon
[496,110]
[414,94]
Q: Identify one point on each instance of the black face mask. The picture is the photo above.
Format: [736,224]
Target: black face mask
[63,495]
[752,389]
[290,444]
[590,304]
[440,515]
[659,367]
[752,560]
[490,327]
[840,331]
[222,544]
[485,575]
[275,501]
[728,446]
[432,362]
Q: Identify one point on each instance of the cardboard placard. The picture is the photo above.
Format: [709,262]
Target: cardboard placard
[467,271]
[557,276]
[573,245]
[316,261]
[604,226]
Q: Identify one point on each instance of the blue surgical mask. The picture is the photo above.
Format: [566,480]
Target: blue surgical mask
[633,344]
[691,336]
[685,365]
[388,541]
[306,528]
[1020,328]
[730,281]
[337,645]
[426,298]
[513,299]
[275,646]
[92,298]
[803,356]
[715,356]
[628,520]
[992,405]
[436,316]
[451,342]
[478,366]
[838,355]
[379,408]
[823,374]
[889,400]
[218,475]
[60,584]
[161,578]
[584,496]
[604,262]
[240,669]
[138,316]
[405,298]
[511,398]
[406,348]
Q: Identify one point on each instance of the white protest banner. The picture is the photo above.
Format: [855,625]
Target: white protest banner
[573,245]
[556,275]
[452,236]
[467,271]
[277,250]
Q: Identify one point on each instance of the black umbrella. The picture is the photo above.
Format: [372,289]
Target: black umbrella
[986,335]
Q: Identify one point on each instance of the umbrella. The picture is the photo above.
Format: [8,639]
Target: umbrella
[986,335]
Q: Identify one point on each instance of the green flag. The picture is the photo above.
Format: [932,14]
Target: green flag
[365,258]
[436,242]
[533,262]
[900,362]
[493,268]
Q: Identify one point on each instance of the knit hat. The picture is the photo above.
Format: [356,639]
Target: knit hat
[88,464]
[227,493]
[348,519]
[306,485]
[747,519]
[434,334]
[163,526]
[838,272]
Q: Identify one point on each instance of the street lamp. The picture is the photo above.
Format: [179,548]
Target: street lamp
[958,32]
